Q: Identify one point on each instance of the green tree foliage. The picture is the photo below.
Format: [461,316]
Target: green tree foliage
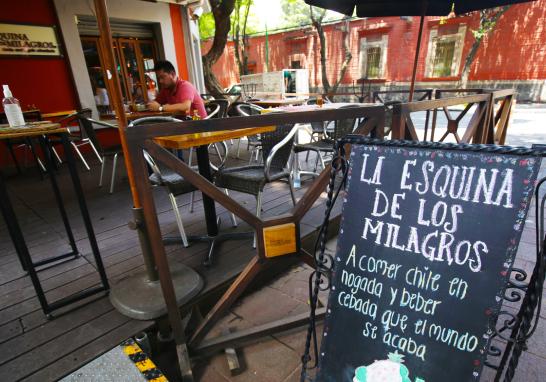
[297,12]
[206,21]
[206,26]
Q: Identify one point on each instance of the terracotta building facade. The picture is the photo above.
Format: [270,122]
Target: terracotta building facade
[383,50]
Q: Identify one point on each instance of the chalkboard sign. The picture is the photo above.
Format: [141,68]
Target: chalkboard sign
[427,241]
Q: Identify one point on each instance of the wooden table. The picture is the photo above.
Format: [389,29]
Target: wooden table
[40,130]
[278,102]
[201,141]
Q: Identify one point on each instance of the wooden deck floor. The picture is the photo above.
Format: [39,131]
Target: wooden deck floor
[35,349]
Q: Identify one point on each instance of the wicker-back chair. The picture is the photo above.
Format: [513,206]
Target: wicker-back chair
[163,176]
[325,145]
[244,109]
[251,179]
[87,125]
[223,105]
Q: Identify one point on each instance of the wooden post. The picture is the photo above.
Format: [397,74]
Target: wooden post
[116,97]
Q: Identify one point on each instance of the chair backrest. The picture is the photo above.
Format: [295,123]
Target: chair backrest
[86,125]
[213,110]
[282,154]
[223,104]
[245,109]
[343,127]
[157,168]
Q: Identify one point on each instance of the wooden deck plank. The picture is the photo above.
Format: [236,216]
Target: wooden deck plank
[66,343]
[25,334]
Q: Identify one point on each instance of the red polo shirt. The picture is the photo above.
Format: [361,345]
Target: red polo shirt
[183,91]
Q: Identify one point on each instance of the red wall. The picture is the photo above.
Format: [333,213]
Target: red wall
[179,46]
[516,49]
[44,82]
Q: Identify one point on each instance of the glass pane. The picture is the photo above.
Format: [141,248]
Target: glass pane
[443,58]
[120,74]
[96,75]
[148,58]
[133,74]
[373,59]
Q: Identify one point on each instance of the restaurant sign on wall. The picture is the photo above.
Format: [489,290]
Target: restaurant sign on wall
[28,40]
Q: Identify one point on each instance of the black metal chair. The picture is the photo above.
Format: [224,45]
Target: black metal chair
[251,179]
[325,145]
[175,184]
[76,136]
[245,109]
[87,124]
[223,104]
[163,176]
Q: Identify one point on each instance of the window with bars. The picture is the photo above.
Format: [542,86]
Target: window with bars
[443,58]
[373,62]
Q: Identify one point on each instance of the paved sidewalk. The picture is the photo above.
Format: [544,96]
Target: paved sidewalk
[277,359]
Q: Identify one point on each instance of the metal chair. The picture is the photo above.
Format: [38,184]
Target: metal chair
[87,124]
[251,179]
[76,137]
[326,144]
[175,184]
[244,109]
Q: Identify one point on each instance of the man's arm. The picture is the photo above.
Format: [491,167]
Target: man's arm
[182,107]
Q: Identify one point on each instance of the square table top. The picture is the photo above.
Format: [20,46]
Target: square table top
[186,141]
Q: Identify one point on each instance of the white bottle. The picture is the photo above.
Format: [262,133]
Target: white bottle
[12,109]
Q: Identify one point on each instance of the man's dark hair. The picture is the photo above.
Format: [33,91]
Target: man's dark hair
[166,66]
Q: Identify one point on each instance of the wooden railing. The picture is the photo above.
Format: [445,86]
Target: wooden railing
[488,122]
[142,137]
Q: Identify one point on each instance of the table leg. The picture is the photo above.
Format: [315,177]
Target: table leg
[19,242]
[58,198]
[69,156]
[208,203]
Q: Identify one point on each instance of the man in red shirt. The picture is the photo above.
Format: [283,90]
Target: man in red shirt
[176,96]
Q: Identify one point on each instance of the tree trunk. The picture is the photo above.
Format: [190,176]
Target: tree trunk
[347,54]
[488,21]
[221,10]
[317,23]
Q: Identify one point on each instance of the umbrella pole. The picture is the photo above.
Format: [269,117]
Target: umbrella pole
[419,38]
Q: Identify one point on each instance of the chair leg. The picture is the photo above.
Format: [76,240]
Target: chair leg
[178,220]
[233,217]
[56,155]
[322,160]
[95,150]
[192,195]
[113,173]
[292,193]
[258,212]
[78,152]
[189,160]
[103,160]
[238,147]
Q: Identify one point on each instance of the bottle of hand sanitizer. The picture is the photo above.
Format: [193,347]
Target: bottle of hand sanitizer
[12,109]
